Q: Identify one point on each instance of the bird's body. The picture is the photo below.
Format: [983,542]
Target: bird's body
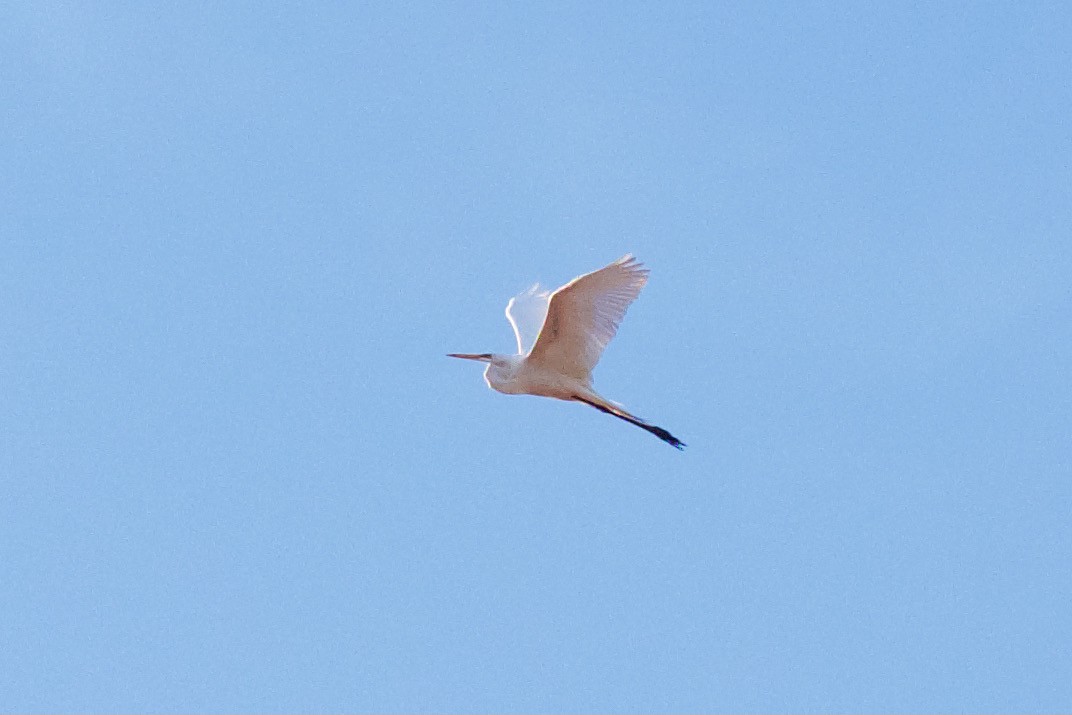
[576,322]
[516,375]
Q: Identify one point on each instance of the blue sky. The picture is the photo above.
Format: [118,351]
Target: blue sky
[239,474]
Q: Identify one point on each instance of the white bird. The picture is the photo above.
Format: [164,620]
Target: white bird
[575,323]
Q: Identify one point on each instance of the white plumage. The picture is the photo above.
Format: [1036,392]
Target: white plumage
[576,322]
[583,317]
[526,312]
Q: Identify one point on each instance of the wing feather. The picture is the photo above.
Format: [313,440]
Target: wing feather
[526,312]
[583,317]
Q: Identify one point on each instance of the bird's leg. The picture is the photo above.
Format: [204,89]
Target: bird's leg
[659,432]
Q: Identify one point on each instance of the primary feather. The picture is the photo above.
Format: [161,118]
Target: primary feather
[583,316]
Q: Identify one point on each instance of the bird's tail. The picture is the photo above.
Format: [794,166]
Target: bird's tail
[593,400]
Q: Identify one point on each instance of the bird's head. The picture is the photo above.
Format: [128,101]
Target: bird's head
[499,366]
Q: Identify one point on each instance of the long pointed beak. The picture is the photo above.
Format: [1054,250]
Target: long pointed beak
[484,357]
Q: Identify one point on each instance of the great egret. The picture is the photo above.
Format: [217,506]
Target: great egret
[574,325]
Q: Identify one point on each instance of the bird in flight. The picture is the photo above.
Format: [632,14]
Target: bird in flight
[561,336]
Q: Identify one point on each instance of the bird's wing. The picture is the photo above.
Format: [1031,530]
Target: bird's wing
[583,316]
[526,312]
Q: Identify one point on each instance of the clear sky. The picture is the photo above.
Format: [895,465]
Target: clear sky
[238,472]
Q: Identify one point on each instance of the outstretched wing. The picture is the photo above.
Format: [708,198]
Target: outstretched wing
[583,316]
[526,312]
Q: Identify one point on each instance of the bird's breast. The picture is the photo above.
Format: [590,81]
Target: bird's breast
[529,379]
[506,385]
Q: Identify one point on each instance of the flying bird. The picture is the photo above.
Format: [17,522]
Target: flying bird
[562,334]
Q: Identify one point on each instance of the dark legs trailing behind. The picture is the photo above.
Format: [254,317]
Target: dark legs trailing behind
[623,415]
